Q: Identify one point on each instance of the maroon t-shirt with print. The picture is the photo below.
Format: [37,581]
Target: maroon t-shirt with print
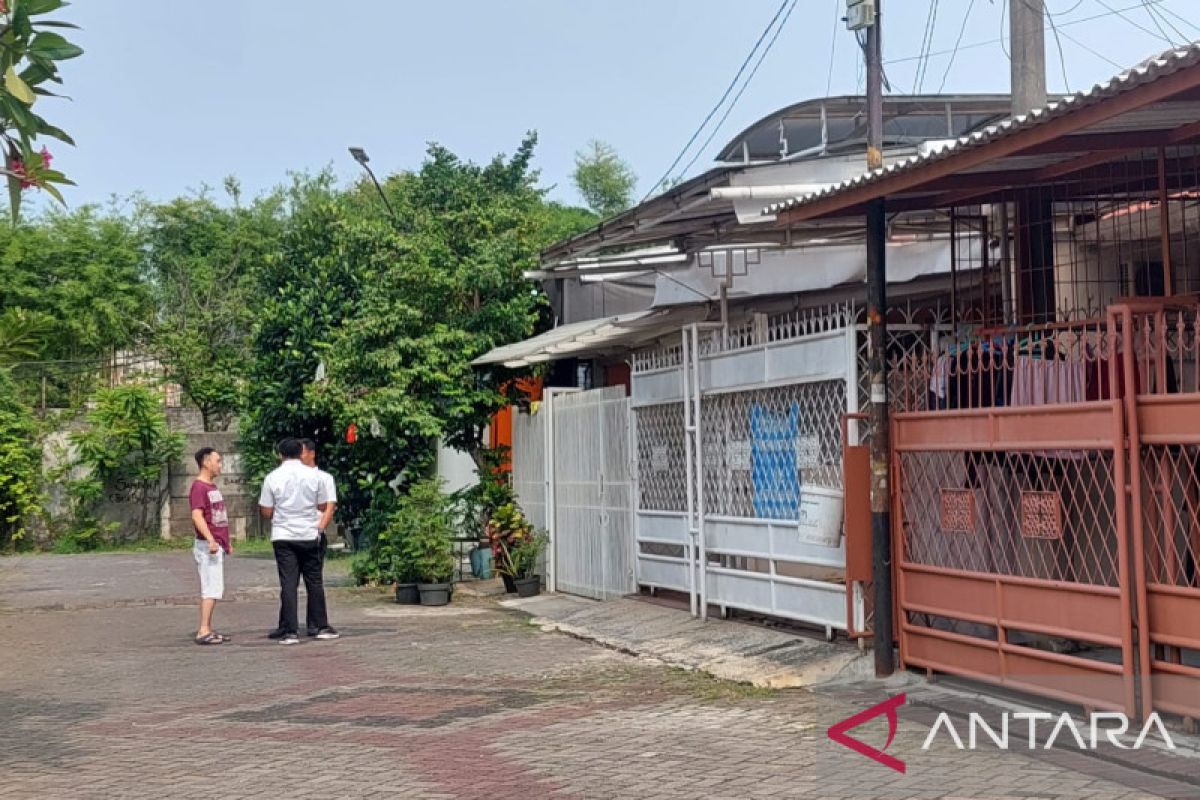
[207,498]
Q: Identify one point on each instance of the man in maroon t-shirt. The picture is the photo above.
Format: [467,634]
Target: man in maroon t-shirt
[211,522]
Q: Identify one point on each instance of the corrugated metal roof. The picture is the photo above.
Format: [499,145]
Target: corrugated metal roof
[1150,70]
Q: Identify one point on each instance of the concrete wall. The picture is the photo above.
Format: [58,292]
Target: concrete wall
[241,498]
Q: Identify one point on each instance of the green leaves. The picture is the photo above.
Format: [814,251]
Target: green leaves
[53,46]
[35,7]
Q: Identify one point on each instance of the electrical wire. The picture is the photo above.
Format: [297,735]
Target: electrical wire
[837,18]
[1094,52]
[733,103]
[725,95]
[1000,40]
[926,46]
[1135,24]
[1158,24]
[1152,11]
[1168,10]
[957,42]
[1062,62]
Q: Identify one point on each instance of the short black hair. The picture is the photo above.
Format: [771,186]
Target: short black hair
[203,453]
[290,448]
[308,444]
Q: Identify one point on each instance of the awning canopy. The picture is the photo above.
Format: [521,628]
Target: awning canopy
[1072,142]
[594,337]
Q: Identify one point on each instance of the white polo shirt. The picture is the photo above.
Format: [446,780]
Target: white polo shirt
[294,491]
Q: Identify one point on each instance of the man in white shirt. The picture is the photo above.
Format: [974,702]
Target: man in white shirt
[295,499]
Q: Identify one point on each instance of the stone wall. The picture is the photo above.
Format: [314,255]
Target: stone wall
[241,498]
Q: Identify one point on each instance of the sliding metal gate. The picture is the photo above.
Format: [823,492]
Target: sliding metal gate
[740,467]
[573,477]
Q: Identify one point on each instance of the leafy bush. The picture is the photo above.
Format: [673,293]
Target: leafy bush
[414,542]
[428,530]
[475,505]
[20,465]
[525,557]
[122,454]
[516,544]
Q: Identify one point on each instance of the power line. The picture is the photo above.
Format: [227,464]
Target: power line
[926,45]
[1184,20]
[1153,12]
[957,42]
[1062,62]
[1094,52]
[1142,28]
[837,19]
[1158,24]
[708,117]
[1001,40]
[729,109]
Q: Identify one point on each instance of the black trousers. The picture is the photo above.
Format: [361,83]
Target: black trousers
[310,613]
[295,560]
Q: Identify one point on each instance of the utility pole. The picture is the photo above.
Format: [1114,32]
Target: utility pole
[1033,213]
[1027,42]
[881,527]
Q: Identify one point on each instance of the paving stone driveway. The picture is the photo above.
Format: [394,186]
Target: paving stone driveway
[114,701]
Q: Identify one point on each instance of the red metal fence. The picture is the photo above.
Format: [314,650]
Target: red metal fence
[1046,517]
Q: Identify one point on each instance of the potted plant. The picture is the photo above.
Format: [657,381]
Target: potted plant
[428,548]
[524,559]
[506,529]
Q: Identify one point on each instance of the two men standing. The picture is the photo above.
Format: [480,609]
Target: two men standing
[299,500]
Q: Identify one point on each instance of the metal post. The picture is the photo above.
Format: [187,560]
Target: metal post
[1164,223]
[881,542]
[685,362]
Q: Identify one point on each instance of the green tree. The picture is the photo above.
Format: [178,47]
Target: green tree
[80,273]
[23,334]
[604,179]
[371,322]
[30,49]
[200,258]
[20,465]
[124,451]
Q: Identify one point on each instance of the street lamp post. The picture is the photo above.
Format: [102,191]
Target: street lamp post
[360,156]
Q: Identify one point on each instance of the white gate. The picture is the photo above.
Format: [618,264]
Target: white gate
[529,465]
[739,458]
[572,473]
[593,494]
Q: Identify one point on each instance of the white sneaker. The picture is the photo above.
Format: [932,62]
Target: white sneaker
[290,638]
[328,633]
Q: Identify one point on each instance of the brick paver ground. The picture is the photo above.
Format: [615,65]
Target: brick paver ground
[464,702]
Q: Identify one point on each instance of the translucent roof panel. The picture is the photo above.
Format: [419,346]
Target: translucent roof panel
[815,125]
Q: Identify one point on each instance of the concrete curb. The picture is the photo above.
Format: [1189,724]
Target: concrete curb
[731,651]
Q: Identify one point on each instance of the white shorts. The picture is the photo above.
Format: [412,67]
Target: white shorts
[212,570]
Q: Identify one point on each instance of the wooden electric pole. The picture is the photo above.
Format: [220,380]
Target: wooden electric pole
[881,528]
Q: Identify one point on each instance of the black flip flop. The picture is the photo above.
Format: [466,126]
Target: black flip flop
[212,638]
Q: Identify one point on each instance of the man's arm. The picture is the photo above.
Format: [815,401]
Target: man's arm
[266,502]
[202,526]
[326,499]
[326,510]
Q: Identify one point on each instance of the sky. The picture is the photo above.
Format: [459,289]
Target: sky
[171,96]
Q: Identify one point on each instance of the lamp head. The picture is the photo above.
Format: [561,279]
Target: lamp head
[359,155]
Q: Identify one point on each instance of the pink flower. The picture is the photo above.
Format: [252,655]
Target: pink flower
[17,167]
[46,157]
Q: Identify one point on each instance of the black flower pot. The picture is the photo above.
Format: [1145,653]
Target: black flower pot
[509,585]
[528,587]
[434,594]
[407,594]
